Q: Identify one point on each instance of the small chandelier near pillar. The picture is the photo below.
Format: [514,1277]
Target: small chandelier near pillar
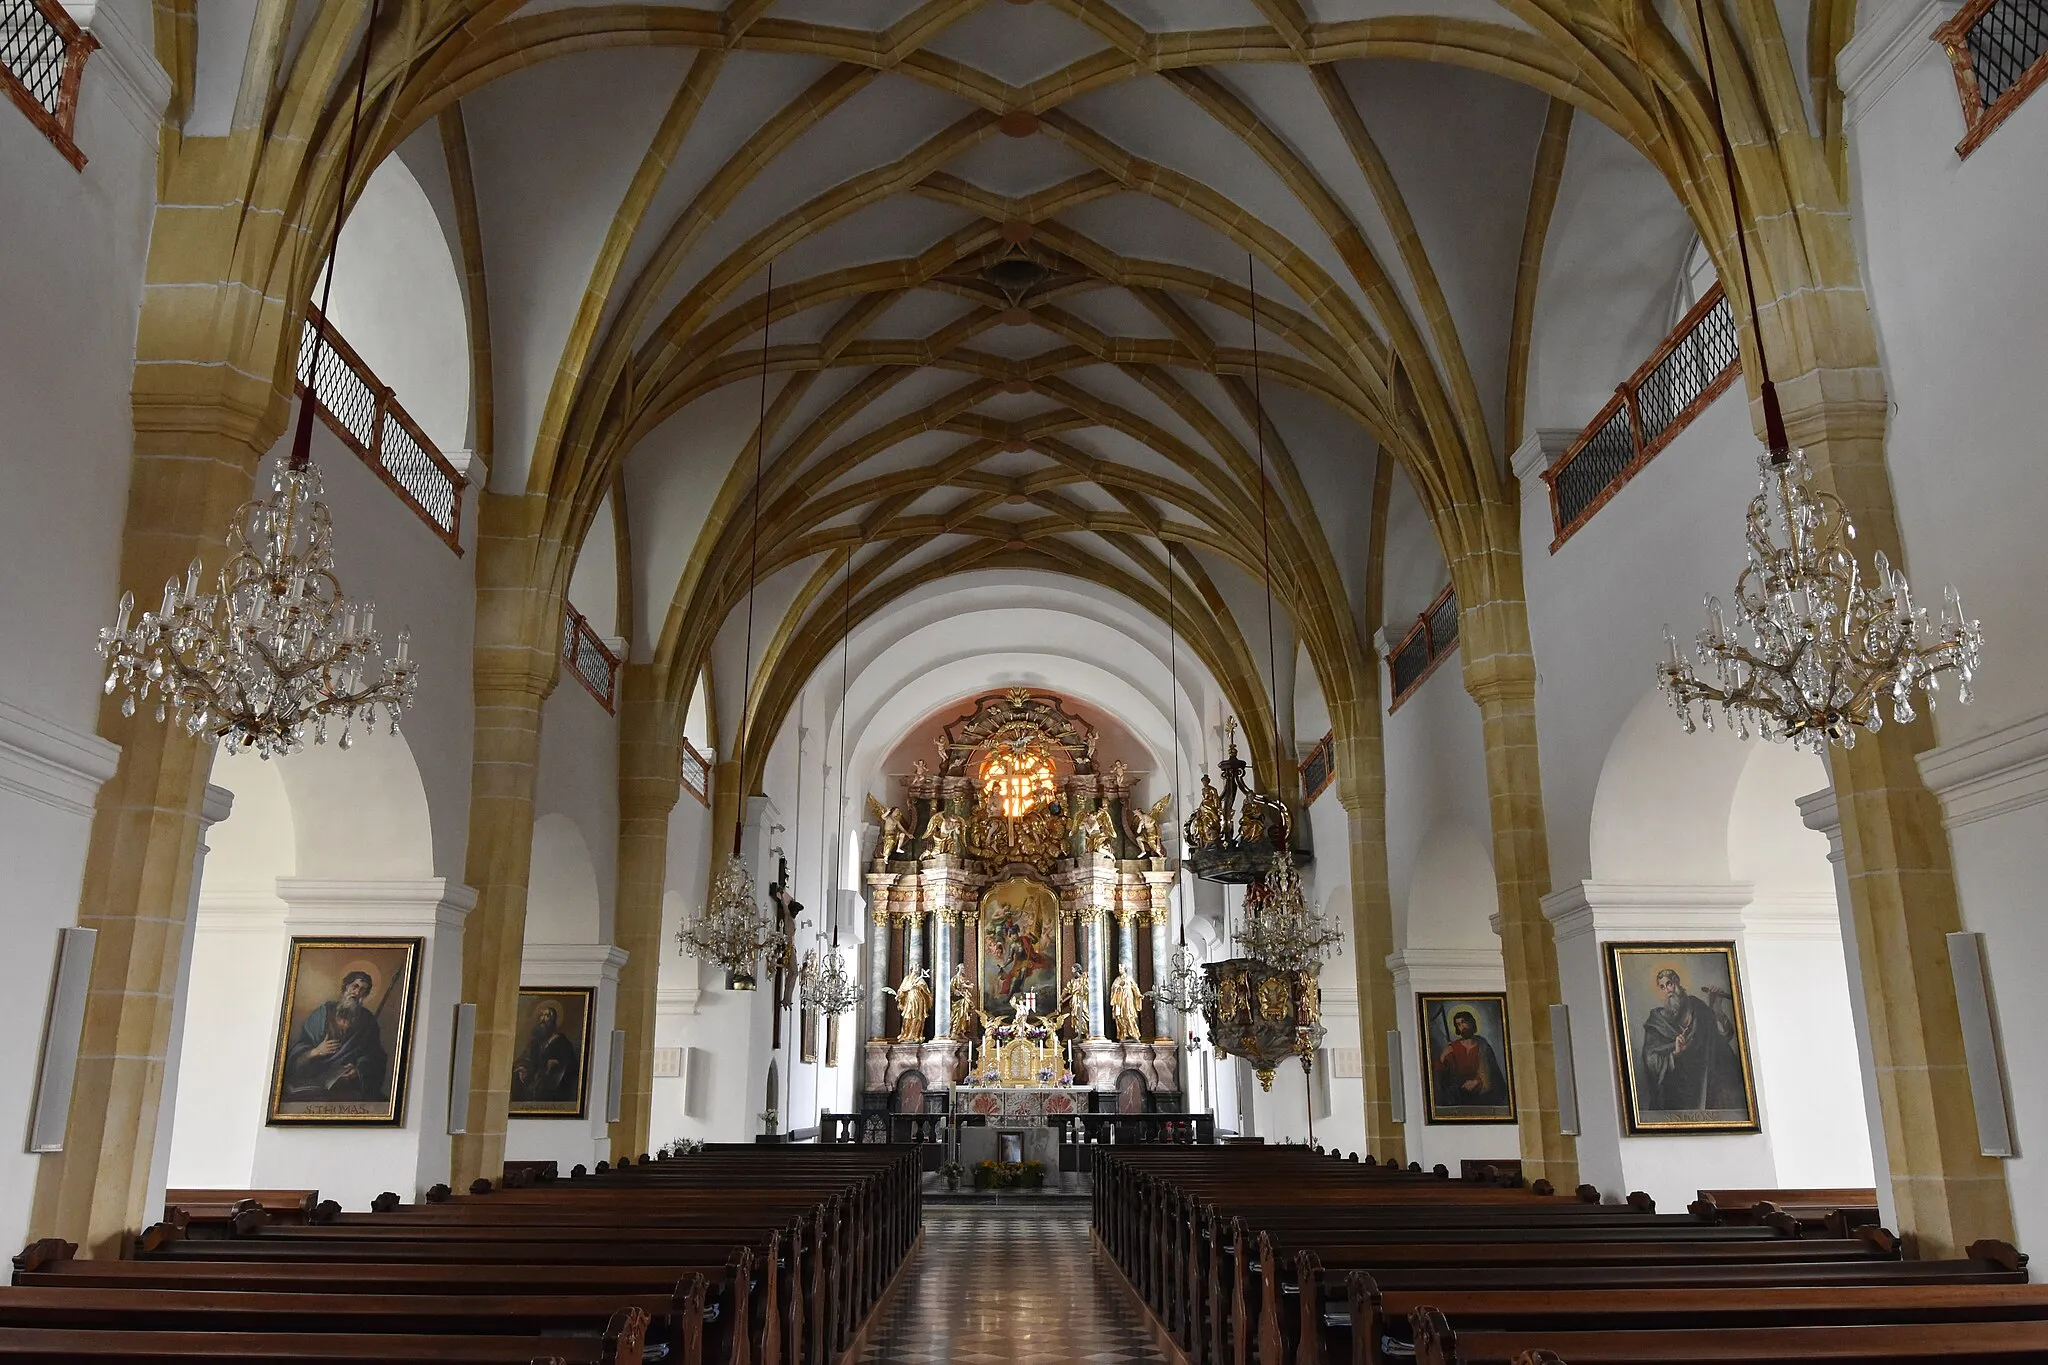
[829,989]
[1184,989]
[1815,652]
[274,655]
[732,933]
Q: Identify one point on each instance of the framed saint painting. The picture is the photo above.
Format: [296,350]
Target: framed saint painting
[1681,1046]
[1466,1075]
[1017,949]
[344,1035]
[551,1070]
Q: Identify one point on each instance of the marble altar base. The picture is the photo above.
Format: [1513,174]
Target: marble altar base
[1103,1061]
[1019,1106]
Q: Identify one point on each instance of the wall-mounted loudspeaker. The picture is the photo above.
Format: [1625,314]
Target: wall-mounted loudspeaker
[1397,1085]
[1980,1043]
[615,1078]
[696,1083]
[62,1029]
[1567,1072]
[458,1068]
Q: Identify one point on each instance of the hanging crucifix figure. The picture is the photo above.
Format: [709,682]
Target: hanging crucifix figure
[782,949]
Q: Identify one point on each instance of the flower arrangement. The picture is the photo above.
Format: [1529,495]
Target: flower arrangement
[1009,1175]
[680,1147]
[950,1172]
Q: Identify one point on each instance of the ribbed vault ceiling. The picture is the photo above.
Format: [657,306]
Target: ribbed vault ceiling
[1016,251]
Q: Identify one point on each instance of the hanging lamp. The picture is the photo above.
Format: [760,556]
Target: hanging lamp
[273,655]
[1183,989]
[1265,1005]
[1818,648]
[829,987]
[731,931]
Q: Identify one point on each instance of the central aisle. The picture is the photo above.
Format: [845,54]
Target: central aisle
[1009,1284]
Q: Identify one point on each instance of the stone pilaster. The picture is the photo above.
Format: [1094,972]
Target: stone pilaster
[1362,791]
[1901,880]
[518,630]
[1500,673]
[141,860]
[650,780]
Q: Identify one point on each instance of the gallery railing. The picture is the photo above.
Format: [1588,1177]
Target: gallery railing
[42,61]
[1999,49]
[1690,368]
[1319,769]
[589,658]
[1431,639]
[696,773]
[361,411]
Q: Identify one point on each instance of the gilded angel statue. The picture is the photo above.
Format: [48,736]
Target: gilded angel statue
[1205,826]
[945,832]
[1145,824]
[1097,830]
[895,829]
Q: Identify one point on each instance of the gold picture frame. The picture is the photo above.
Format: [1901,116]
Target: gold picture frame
[1659,994]
[1017,945]
[344,1032]
[1467,1074]
[551,1068]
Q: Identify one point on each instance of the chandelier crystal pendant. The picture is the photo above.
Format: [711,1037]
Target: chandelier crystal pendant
[274,655]
[1815,652]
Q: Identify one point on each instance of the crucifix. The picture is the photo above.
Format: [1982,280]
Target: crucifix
[787,908]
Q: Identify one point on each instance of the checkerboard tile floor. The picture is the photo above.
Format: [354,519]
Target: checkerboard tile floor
[1020,1286]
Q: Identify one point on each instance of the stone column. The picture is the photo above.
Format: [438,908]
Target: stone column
[518,630]
[1159,887]
[650,780]
[1097,924]
[878,953]
[1500,673]
[193,467]
[1362,791]
[910,909]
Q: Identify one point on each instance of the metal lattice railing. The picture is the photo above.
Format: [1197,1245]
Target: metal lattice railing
[362,412]
[1690,368]
[588,657]
[1319,769]
[1433,636]
[696,773]
[1999,49]
[42,59]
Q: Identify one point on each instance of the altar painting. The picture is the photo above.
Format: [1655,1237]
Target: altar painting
[1019,944]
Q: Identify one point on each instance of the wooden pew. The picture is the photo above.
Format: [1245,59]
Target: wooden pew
[748,1257]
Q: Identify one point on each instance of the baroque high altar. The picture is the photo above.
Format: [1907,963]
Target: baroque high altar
[1019,905]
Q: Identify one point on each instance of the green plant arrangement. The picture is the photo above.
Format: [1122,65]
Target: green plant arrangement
[1009,1175]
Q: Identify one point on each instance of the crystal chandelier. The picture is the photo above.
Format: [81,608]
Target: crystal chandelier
[1281,928]
[1816,650]
[1183,989]
[274,655]
[830,989]
[732,932]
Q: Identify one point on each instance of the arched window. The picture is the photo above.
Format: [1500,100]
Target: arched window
[1017,776]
